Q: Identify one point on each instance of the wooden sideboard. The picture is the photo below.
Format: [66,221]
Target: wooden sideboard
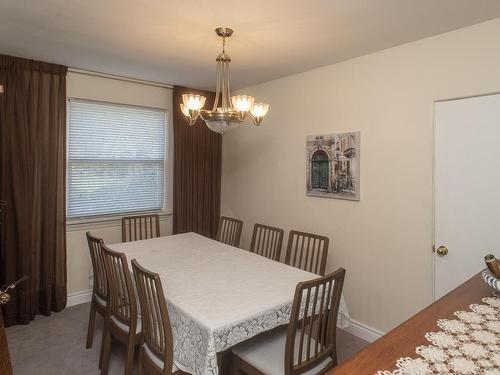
[403,340]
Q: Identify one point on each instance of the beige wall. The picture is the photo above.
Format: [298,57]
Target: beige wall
[111,90]
[384,241]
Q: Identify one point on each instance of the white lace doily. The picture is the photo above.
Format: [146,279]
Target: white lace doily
[468,345]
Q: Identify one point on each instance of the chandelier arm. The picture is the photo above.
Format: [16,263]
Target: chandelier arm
[256,120]
[224,77]
[228,88]
[217,86]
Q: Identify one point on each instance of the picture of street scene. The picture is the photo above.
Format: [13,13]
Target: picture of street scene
[333,166]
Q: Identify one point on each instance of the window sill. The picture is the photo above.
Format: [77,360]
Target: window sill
[107,221]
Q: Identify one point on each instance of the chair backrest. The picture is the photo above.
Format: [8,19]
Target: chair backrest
[312,330]
[156,326]
[100,281]
[140,227]
[267,241]
[229,231]
[121,295]
[307,251]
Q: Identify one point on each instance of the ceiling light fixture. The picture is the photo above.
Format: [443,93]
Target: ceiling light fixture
[233,110]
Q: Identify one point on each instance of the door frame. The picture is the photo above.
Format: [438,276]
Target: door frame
[436,101]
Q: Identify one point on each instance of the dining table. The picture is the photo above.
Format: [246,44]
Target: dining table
[217,295]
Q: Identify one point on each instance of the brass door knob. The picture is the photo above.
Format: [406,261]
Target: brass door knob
[442,251]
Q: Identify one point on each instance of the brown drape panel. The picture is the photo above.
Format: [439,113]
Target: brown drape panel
[197,171]
[32,182]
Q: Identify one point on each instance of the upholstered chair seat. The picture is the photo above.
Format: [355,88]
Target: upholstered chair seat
[157,360]
[125,327]
[266,352]
[100,301]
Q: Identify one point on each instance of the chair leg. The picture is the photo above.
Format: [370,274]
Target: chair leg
[106,351]
[140,370]
[104,329]
[334,358]
[129,365]
[90,330]
[236,365]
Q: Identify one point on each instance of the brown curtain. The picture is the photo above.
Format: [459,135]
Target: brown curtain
[32,182]
[197,171]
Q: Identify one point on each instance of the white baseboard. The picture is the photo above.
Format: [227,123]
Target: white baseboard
[79,298]
[363,331]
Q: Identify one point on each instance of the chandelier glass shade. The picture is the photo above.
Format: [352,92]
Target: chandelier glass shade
[233,109]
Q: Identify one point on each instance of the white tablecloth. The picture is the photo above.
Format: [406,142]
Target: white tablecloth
[217,295]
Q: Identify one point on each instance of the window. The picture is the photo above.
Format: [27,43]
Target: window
[116,158]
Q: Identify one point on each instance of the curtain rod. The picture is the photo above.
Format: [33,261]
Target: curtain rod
[118,78]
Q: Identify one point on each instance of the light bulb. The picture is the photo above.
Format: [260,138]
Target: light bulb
[193,102]
[242,103]
[259,109]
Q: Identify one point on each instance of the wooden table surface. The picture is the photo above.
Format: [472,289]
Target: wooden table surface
[402,340]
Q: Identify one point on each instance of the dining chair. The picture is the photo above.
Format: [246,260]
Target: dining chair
[156,353]
[229,231]
[140,227]
[267,241]
[123,322]
[308,344]
[307,251]
[100,285]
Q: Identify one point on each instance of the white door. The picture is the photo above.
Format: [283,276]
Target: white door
[467,188]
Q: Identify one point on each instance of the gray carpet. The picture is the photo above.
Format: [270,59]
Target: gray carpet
[56,345]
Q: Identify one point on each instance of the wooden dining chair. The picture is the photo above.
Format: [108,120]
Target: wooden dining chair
[100,285]
[307,251]
[156,353]
[123,322]
[267,241]
[229,231]
[140,227]
[308,344]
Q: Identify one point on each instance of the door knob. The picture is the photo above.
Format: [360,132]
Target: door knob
[442,251]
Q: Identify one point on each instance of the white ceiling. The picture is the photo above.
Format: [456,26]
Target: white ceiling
[172,41]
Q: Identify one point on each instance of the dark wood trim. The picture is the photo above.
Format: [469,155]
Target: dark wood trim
[267,241]
[100,289]
[403,340]
[122,305]
[229,231]
[5,365]
[140,227]
[156,328]
[307,251]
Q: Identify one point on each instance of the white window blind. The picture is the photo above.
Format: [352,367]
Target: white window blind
[116,158]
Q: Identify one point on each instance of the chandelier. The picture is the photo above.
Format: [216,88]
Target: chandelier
[233,110]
